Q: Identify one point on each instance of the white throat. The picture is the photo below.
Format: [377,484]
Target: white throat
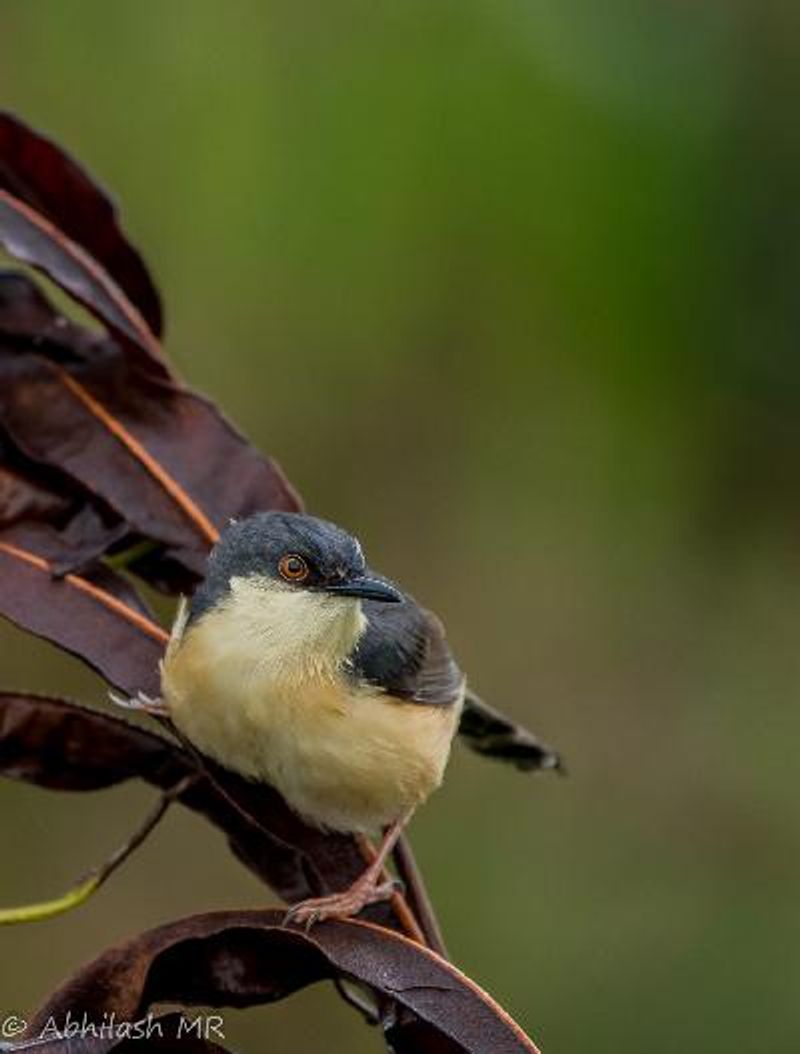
[293,633]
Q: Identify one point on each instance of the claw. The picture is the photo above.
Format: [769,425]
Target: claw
[340,905]
[140,702]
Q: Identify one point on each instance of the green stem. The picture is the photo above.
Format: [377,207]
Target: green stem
[48,908]
[81,892]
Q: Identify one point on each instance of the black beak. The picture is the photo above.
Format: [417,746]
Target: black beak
[366,589]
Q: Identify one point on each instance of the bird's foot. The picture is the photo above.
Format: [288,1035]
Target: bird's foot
[141,703]
[344,905]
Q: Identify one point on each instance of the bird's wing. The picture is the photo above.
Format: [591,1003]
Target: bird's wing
[404,651]
[491,733]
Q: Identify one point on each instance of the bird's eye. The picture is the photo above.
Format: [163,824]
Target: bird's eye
[293,568]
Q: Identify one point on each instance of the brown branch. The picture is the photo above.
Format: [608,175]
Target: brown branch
[417,895]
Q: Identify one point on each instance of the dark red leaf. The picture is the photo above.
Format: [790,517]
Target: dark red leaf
[29,237]
[61,745]
[41,513]
[26,312]
[85,536]
[245,958]
[24,499]
[38,172]
[96,617]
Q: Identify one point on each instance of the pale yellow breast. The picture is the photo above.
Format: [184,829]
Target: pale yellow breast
[344,759]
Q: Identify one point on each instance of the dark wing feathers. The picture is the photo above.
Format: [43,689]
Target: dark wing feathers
[405,652]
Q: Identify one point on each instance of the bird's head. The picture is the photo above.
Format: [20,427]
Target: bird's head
[290,580]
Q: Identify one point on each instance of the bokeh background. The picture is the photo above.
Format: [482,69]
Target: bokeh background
[510,288]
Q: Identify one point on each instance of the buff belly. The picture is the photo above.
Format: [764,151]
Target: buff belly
[344,758]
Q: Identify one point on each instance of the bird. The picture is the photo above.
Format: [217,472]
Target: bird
[297,665]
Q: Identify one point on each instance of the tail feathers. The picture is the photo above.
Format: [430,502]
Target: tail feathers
[489,732]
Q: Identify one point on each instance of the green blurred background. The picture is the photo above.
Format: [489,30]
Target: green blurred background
[510,289]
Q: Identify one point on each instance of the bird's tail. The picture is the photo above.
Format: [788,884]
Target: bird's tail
[489,732]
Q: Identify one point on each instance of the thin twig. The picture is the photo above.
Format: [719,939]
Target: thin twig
[417,895]
[81,892]
[359,1002]
[151,821]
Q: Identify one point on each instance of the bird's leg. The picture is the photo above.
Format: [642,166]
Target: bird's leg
[367,888]
[140,702]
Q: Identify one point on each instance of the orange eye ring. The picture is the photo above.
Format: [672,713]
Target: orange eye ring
[293,568]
